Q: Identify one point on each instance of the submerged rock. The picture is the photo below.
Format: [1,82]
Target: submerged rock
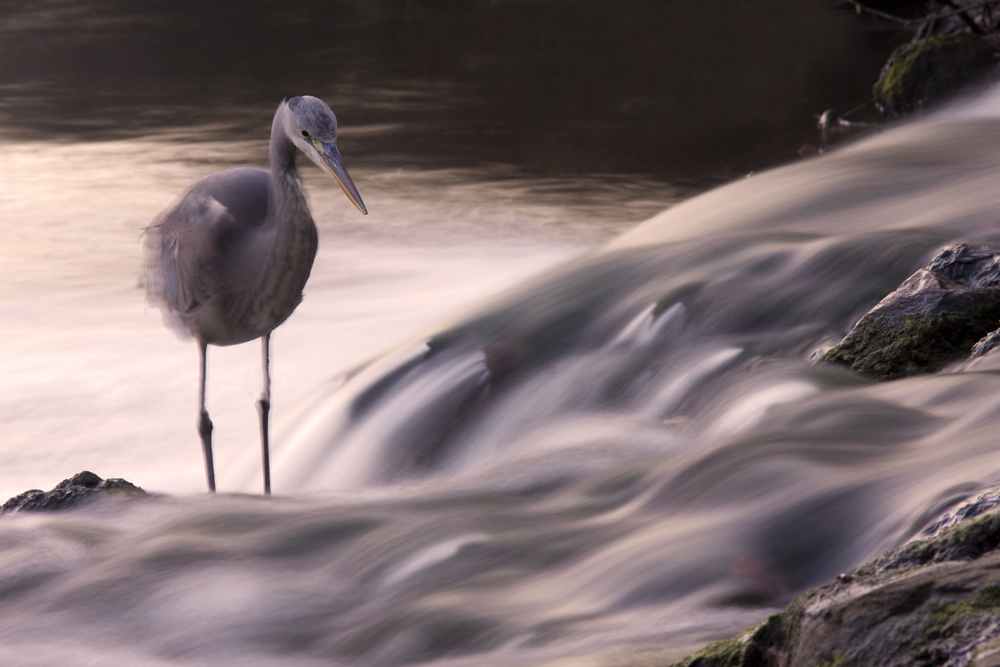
[69,492]
[931,602]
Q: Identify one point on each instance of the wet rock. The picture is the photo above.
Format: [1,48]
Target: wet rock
[932,68]
[70,492]
[971,265]
[968,510]
[928,322]
[931,602]
[965,541]
[760,646]
[987,344]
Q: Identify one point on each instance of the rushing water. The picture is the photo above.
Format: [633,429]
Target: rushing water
[624,457]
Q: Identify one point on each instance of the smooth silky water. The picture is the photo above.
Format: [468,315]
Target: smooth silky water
[621,459]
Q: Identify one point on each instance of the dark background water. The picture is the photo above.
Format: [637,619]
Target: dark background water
[690,92]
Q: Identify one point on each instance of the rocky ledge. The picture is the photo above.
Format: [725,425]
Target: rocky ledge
[931,602]
[69,492]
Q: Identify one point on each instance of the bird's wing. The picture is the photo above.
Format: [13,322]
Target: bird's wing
[180,251]
[243,191]
[186,244]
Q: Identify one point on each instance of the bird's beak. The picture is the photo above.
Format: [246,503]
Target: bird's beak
[334,165]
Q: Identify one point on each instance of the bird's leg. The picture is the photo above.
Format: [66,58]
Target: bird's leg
[263,407]
[204,423]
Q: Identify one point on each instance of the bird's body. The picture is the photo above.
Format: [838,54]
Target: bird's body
[228,261]
[231,271]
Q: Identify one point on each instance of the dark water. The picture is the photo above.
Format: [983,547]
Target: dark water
[692,93]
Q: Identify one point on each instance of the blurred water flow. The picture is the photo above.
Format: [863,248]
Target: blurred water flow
[628,455]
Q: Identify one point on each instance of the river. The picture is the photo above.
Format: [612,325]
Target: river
[528,414]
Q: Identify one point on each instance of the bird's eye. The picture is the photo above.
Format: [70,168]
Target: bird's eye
[305,133]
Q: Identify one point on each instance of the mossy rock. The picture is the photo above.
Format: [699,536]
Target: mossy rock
[723,653]
[968,540]
[927,323]
[925,604]
[923,344]
[948,619]
[931,69]
[758,647]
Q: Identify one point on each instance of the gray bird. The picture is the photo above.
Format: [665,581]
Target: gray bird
[227,261]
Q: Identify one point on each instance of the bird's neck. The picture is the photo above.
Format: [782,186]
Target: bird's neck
[286,205]
[283,152]
[287,256]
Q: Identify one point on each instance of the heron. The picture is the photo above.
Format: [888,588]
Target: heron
[227,261]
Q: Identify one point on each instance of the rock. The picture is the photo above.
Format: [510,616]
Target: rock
[972,10]
[981,504]
[69,492]
[928,322]
[986,345]
[758,647]
[932,602]
[965,541]
[974,266]
[932,68]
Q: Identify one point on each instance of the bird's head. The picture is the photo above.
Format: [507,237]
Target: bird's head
[311,125]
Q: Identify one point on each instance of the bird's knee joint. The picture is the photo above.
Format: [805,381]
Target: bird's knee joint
[263,405]
[204,425]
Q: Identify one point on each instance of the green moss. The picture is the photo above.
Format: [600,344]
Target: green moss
[945,620]
[931,69]
[946,625]
[942,619]
[723,653]
[921,344]
[966,541]
[833,354]
[748,650]
[987,597]
[837,660]
[791,617]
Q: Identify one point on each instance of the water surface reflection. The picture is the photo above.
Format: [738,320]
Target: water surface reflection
[689,92]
